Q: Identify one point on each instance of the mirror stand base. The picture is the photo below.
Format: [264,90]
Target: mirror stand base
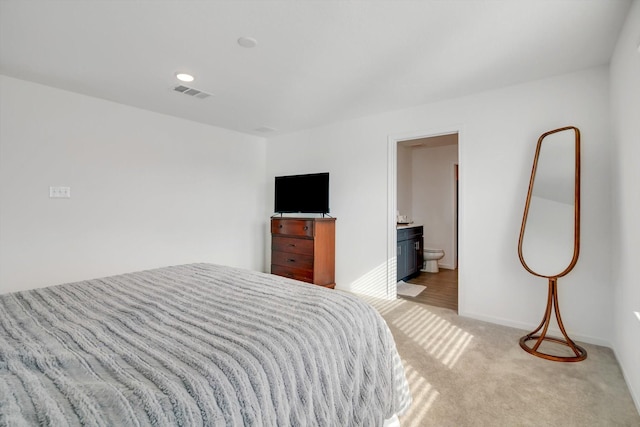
[581,353]
[552,305]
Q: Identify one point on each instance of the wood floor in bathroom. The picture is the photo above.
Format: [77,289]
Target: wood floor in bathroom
[442,289]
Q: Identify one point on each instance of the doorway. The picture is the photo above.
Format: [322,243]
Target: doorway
[428,152]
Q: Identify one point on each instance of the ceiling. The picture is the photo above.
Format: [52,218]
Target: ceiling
[316,62]
[431,141]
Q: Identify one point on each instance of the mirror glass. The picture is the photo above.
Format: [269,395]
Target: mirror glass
[548,243]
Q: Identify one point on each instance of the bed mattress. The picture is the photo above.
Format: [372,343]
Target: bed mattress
[197,344]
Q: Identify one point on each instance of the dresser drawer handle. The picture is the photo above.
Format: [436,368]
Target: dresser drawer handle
[291,260]
[292,245]
[306,227]
[280,226]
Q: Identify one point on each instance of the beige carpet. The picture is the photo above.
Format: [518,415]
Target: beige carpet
[464,372]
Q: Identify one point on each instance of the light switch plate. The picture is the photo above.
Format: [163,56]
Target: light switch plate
[637,313]
[60,192]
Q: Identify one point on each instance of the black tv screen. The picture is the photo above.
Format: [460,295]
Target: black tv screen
[302,193]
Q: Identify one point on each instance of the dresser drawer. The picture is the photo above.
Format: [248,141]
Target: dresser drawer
[292,273]
[289,259]
[292,244]
[292,227]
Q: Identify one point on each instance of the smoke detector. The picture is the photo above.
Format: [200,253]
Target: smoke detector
[248,42]
[264,129]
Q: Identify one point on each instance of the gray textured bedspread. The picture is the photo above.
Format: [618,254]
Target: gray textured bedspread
[192,345]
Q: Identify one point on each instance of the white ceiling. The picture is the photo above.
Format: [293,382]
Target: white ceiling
[431,141]
[316,62]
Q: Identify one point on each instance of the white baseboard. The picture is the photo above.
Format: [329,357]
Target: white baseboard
[446,266]
[634,395]
[528,327]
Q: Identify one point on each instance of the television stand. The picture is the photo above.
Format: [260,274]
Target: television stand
[304,249]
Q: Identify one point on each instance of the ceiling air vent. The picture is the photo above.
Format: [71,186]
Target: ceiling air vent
[264,129]
[191,92]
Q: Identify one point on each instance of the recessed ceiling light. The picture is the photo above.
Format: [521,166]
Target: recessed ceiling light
[184,77]
[247,42]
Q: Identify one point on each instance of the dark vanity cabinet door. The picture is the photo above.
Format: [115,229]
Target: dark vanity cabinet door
[406,258]
[409,252]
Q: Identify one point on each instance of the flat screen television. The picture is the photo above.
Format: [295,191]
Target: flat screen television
[302,193]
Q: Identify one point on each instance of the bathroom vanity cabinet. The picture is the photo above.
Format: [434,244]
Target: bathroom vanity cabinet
[409,252]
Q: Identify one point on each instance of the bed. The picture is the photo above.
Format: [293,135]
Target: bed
[196,344]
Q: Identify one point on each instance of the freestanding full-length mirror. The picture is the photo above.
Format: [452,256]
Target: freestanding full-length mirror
[549,240]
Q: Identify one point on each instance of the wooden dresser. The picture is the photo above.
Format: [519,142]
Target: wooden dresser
[304,249]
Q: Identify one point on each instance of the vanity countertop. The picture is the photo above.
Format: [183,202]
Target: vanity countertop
[401,226]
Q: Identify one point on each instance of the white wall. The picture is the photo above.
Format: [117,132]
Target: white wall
[625,106]
[405,181]
[499,130]
[434,197]
[147,190]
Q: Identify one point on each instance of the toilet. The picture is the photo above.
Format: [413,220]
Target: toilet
[431,257]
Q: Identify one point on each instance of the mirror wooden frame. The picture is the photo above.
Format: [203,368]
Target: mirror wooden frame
[539,335]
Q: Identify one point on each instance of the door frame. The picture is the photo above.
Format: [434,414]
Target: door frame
[456,209]
[392,204]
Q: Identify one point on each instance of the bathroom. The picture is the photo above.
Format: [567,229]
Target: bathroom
[427,196]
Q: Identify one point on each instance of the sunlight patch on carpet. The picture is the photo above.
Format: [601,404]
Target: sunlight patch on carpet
[383,306]
[423,394]
[441,339]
